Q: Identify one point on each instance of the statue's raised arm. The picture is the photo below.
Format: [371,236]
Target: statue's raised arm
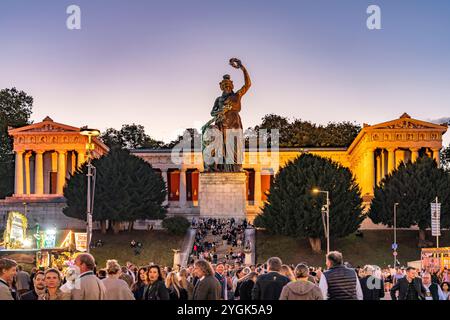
[236,63]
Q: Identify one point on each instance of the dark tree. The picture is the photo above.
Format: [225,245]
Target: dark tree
[292,209]
[300,133]
[127,189]
[15,111]
[413,186]
[130,136]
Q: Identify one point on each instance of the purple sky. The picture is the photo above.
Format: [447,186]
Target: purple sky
[158,63]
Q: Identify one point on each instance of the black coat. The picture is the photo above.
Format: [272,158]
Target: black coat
[30,295]
[268,286]
[372,288]
[245,289]
[156,291]
[402,287]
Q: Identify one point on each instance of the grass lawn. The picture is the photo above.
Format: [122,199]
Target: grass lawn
[373,248]
[157,247]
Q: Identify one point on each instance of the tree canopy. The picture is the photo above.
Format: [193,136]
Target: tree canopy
[299,133]
[293,210]
[15,111]
[130,136]
[413,186]
[127,189]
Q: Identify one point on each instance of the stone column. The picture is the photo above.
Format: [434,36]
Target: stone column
[39,173]
[61,180]
[378,164]
[399,157]
[27,173]
[182,202]
[81,158]
[436,156]
[257,189]
[164,176]
[383,164]
[391,160]
[19,173]
[370,172]
[414,154]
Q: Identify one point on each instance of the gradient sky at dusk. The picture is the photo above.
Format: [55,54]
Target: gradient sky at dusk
[158,63]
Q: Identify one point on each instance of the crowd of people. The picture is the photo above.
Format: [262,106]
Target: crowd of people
[227,233]
[204,280]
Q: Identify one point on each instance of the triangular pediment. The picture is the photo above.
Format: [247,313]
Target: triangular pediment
[406,122]
[47,125]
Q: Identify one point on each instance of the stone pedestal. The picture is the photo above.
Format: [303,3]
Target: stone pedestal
[222,194]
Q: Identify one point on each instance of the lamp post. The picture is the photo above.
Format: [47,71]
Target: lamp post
[85,131]
[395,235]
[327,224]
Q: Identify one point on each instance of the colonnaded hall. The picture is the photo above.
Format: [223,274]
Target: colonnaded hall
[48,152]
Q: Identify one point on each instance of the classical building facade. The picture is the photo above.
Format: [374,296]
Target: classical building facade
[48,152]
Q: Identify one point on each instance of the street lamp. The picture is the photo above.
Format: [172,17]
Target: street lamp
[85,131]
[327,224]
[394,246]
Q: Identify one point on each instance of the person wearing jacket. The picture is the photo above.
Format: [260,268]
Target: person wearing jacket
[156,289]
[302,288]
[371,286]
[8,270]
[38,287]
[409,287]
[268,286]
[433,290]
[116,289]
[245,286]
[207,287]
[140,285]
[87,286]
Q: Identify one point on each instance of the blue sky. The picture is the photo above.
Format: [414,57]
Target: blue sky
[158,63]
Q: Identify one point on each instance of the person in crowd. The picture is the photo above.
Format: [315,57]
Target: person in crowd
[445,287]
[268,286]
[156,289]
[126,276]
[88,286]
[23,281]
[176,291]
[8,270]
[372,286]
[433,290]
[287,272]
[52,280]
[399,273]
[222,278]
[101,274]
[116,289]
[38,287]
[339,282]
[207,286]
[139,286]
[302,288]
[409,287]
[245,286]
[185,283]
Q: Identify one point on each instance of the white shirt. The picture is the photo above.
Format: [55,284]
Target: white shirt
[440,293]
[323,285]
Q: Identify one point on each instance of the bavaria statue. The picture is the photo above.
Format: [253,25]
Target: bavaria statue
[222,136]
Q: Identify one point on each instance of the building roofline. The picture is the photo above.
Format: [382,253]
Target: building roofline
[312,149]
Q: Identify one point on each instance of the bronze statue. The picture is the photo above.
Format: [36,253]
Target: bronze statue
[226,119]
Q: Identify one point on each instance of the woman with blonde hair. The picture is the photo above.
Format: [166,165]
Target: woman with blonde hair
[287,272]
[176,292]
[116,289]
[185,283]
